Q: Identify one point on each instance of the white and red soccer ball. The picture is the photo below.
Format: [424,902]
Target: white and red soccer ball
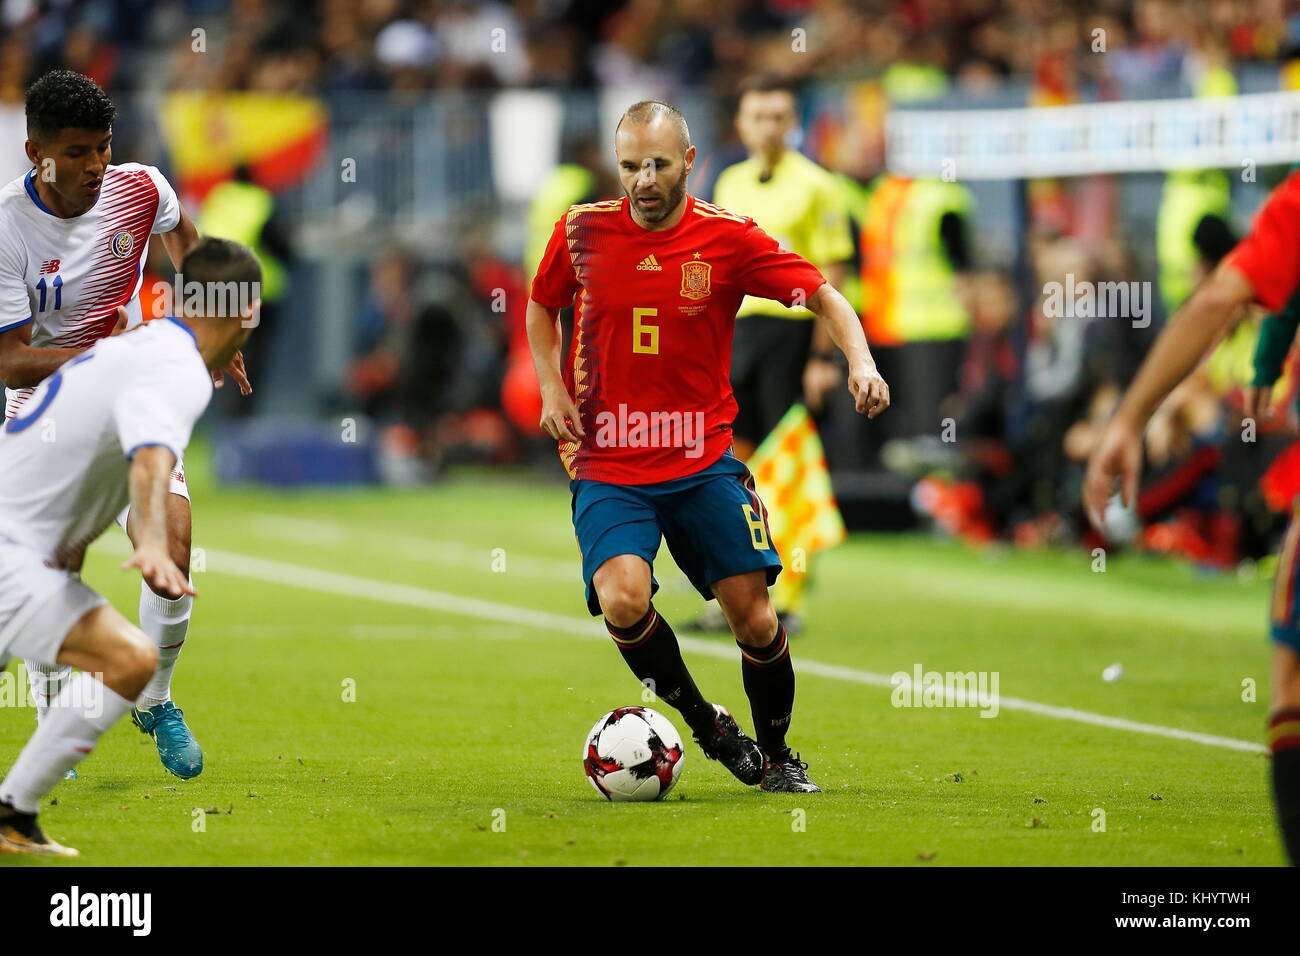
[633,753]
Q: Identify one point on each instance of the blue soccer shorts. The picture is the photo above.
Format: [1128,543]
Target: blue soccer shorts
[713,521]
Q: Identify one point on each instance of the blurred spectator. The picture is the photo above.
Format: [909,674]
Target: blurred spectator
[241,210]
[381,330]
[915,251]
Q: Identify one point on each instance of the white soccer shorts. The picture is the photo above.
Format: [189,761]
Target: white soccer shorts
[38,604]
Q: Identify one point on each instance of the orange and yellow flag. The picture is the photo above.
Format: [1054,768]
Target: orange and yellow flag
[790,473]
[280,137]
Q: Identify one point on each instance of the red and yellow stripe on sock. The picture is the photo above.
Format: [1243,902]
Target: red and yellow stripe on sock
[775,652]
[1284,730]
[637,634]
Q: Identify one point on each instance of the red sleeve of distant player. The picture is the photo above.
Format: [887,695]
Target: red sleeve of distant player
[1269,256]
[555,282]
[771,272]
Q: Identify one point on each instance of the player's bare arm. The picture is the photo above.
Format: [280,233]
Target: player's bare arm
[869,390]
[1188,337]
[151,469]
[822,373]
[177,241]
[22,365]
[560,417]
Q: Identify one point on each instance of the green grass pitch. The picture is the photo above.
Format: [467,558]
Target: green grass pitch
[476,674]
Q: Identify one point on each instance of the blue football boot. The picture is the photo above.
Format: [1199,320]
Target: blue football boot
[179,752]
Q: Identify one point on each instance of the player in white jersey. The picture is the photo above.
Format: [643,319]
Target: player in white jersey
[106,428]
[74,232]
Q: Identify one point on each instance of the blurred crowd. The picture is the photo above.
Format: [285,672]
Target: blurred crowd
[439,356]
[919,47]
[1036,388]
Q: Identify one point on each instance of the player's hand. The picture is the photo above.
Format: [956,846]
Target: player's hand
[869,391]
[1117,458]
[159,571]
[560,418]
[819,377]
[120,326]
[237,372]
[1257,402]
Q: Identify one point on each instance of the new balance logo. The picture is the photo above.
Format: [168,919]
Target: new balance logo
[649,264]
[49,265]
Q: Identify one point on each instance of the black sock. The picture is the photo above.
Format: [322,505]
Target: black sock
[24,823]
[769,683]
[650,648]
[1284,742]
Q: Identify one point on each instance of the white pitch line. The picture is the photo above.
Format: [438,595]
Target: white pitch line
[412,548]
[332,582]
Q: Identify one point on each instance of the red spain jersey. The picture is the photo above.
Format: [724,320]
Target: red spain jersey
[649,364]
[1269,256]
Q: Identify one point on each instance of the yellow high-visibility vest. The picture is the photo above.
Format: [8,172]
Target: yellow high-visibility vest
[799,205]
[909,291]
[1189,196]
[238,211]
[566,185]
[857,199]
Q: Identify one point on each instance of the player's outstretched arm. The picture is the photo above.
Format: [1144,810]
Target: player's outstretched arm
[560,417]
[151,468]
[869,390]
[1189,335]
[22,365]
[177,241]
[821,374]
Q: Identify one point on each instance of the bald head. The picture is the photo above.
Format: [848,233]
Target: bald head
[655,157]
[652,113]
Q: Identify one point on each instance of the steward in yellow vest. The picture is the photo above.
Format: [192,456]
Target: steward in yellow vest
[781,356]
[915,250]
[240,210]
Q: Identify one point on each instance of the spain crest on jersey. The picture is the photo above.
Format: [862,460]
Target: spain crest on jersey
[123,242]
[695,280]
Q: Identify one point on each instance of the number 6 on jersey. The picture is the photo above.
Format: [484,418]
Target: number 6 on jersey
[645,338]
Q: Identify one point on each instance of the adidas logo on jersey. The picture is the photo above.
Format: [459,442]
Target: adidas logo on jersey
[649,264]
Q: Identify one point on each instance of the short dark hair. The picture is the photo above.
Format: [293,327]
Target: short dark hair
[647,110]
[212,261]
[62,99]
[767,83]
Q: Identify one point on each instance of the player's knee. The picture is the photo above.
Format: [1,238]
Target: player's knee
[756,626]
[624,605]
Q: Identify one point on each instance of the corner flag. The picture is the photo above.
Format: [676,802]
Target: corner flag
[789,470]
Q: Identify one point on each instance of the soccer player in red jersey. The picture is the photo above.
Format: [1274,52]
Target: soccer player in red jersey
[643,410]
[1264,268]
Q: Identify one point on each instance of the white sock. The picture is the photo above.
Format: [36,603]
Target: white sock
[45,681]
[165,621]
[84,709]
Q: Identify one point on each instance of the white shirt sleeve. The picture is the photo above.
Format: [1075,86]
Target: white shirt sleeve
[159,405]
[169,207]
[15,303]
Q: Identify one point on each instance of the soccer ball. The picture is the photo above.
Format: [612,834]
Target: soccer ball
[633,753]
